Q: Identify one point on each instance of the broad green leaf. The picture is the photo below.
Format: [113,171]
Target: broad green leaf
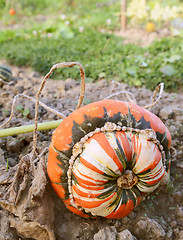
[137,82]
[172,58]
[102,75]
[131,70]
[26,112]
[66,32]
[19,108]
[168,70]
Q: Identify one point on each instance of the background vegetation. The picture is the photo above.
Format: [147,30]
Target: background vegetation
[44,32]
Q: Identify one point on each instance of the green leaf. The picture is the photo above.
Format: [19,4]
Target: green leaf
[168,70]
[137,82]
[102,75]
[172,58]
[65,32]
[6,35]
[19,108]
[144,65]
[26,112]
[131,70]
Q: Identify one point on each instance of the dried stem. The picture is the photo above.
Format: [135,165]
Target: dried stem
[82,91]
[153,102]
[127,94]
[33,100]
[173,152]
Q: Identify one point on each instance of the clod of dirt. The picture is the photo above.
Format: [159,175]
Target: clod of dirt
[6,232]
[126,235]
[27,198]
[149,229]
[107,233]
[180,214]
[74,230]
[11,162]
[14,144]
[180,235]
[172,112]
[70,83]
[2,162]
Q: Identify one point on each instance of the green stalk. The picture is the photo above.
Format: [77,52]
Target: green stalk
[29,128]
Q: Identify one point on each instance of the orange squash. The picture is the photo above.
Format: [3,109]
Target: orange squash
[107,156]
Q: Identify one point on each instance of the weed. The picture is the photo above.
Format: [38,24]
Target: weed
[25,111]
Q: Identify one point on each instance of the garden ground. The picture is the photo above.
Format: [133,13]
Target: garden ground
[111,65]
[160,217]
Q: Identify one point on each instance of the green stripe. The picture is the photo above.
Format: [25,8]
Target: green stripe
[5,68]
[132,163]
[143,173]
[136,191]
[119,151]
[117,200]
[144,184]
[121,155]
[132,197]
[107,193]
[124,197]
[5,75]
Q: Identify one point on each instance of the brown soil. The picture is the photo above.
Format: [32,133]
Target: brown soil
[160,217]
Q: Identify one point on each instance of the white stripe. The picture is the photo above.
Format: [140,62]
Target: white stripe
[146,156]
[103,210]
[91,191]
[148,189]
[97,156]
[78,166]
[152,174]
[76,172]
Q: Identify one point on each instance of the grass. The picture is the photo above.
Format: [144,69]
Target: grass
[102,55]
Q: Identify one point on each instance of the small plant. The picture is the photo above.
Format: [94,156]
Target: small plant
[25,111]
[171,187]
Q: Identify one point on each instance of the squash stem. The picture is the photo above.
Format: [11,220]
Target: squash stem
[29,128]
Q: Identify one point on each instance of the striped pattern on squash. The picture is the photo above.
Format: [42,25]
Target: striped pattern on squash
[106,156]
[6,73]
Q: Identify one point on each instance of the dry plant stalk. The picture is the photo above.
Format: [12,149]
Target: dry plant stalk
[82,91]
[153,101]
[33,100]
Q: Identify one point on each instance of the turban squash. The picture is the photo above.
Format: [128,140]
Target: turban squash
[106,156]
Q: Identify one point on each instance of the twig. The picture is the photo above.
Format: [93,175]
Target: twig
[82,91]
[45,150]
[127,94]
[33,100]
[153,102]
[174,152]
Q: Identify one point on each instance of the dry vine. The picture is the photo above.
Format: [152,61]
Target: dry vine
[82,91]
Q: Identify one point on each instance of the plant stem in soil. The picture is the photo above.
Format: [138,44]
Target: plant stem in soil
[29,128]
